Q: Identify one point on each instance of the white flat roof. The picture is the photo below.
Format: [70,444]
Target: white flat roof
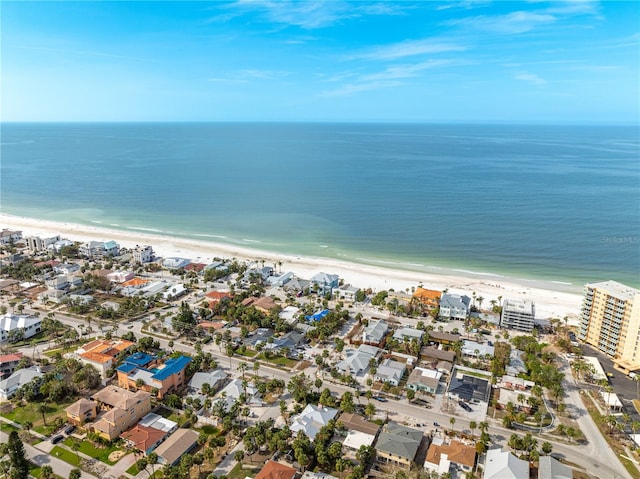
[355,439]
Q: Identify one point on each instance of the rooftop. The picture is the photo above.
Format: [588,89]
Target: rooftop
[276,470]
[619,290]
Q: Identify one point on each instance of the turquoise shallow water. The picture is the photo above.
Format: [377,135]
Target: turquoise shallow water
[557,203]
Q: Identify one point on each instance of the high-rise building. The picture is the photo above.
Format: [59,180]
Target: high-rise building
[610,321]
[518,315]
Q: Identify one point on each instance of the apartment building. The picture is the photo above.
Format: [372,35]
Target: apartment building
[610,321]
[518,315]
[142,371]
[113,410]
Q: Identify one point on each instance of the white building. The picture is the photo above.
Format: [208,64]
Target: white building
[390,371]
[518,315]
[409,333]
[9,236]
[504,465]
[9,323]
[40,242]
[175,263]
[120,276]
[454,306]
[19,378]
[99,249]
[312,419]
[142,254]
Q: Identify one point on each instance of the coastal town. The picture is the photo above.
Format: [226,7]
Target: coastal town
[117,362]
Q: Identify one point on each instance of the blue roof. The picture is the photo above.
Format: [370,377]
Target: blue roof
[172,366]
[139,359]
[126,367]
[319,315]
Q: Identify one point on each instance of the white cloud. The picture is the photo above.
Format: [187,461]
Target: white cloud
[390,76]
[531,78]
[410,48]
[512,23]
[310,14]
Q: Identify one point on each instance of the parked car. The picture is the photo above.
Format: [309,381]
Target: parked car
[380,398]
[465,406]
[69,429]
[56,439]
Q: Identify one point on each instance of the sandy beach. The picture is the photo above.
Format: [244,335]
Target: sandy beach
[549,303]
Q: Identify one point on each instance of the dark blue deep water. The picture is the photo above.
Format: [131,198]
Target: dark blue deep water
[545,202]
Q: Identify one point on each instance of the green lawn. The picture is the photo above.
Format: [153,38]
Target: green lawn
[4,427]
[279,361]
[248,353]
[99,453]
[209,429]
[36,470]
[66,456]
[239,473]
[29,412]
[169,414]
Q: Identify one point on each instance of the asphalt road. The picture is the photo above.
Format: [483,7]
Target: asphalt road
[596,456]
[40,458]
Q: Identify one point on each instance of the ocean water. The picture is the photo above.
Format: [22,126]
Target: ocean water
[557,203]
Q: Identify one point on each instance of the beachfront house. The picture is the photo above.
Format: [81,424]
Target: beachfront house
[37,243]
[142,254]
[346,292]
[175,263]
[10,236]
[324,283]
[99,249]
[454,306]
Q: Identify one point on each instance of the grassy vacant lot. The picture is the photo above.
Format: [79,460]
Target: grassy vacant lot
[66,456]
[99,453]
[279,361]
[29,412]
[239,473]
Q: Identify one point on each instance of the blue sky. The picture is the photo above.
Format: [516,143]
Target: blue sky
[321,61]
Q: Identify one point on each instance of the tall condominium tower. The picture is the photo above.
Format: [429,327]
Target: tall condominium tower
[610,321]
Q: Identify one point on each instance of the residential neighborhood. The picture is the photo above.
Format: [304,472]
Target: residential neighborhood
[144,365]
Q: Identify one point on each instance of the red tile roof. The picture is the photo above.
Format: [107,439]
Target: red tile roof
[275,470]
[8,358]
[143,437]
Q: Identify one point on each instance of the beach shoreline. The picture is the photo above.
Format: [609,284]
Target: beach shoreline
[551,299]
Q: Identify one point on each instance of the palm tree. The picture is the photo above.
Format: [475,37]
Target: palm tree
[46,472]
[452,421]
[42,409]
[369,410]
[472,426]
[75,447]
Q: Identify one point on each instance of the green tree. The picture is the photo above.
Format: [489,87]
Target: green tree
[547,447]
[17,457]
[75,473]
[46,472]
[452,421]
